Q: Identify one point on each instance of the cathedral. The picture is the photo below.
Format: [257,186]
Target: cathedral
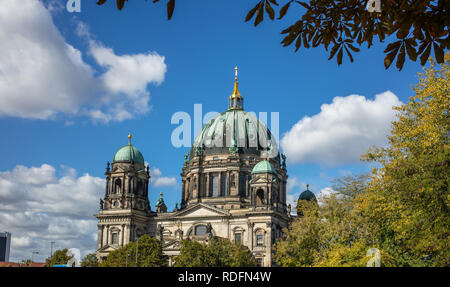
[233,186]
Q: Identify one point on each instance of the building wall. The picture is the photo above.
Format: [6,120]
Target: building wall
[248,225]
[5,245]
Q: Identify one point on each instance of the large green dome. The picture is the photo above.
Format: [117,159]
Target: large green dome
[263,167]
[235,131]
[235,128]
[128,153]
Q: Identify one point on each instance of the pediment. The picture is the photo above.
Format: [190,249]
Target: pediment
[174,244]
[202,210]
[118,169]
[260,180]
[108,248]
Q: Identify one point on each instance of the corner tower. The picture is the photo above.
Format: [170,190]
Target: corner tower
[125,208]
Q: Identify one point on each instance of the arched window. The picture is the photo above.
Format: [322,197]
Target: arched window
[200,230]
[238,234]
[242,184]
[118,186]
[215,185]
[115,238]
[259,197]
[224,185]
[140,187]
[260,238]
[238,238]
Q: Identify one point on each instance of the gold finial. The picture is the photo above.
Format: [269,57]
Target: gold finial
[129,138]
[236,90]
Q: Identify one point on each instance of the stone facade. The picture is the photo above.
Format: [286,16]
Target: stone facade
[255,215]
[223,194]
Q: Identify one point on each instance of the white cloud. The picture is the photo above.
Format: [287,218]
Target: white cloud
[342,131]
[37,207]
[157,180]
[165,181]
[128,74]
[42,76]
[325,193]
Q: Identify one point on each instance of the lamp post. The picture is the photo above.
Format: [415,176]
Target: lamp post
[126,259]
[137,248]
[32,255]
[51,249]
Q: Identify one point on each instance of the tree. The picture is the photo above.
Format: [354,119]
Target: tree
[418,26]
[218,252]
[407,199]
[331,233]
[90,260]
[149,254]
[350,185]
[192,254]
[301,239]
[59,257]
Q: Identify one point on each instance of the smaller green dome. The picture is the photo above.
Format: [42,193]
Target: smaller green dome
[128,153]
[307,195]
[160,200]
[263,167]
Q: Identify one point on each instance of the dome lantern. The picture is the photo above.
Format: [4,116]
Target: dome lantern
[236,101]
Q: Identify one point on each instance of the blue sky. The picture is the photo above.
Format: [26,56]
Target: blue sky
[201,45]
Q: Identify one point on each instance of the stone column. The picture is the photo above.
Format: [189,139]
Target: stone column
[238,182]
[208,191]
[194,184]
[107,235]
[221,192]
[100,237]
[128,235]
[122,241]
[183,190]
[268,244]
[250,235]
[246,189]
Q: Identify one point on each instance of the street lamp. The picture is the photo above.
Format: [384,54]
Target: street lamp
[137,248]
[32,255]
[51,249]
[126,259]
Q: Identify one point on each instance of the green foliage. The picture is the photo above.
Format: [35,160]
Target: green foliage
[350,185]
[27,262]
[90,260]
[219,252]
[59,257]
[330,234]
[407,199]
[301,240]
[401,208]
[418,27]
[149,254]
